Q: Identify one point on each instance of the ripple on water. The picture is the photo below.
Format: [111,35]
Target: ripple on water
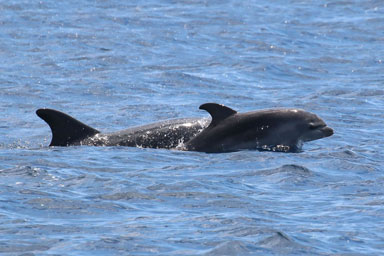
[290,174]
[28,171]
[282,243]
[230,248]
[118,64]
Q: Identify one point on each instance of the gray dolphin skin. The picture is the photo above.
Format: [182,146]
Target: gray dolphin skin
[67,131]
[282,130]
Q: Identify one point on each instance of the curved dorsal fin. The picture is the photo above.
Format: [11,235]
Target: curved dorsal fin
[65,129]
[218,112]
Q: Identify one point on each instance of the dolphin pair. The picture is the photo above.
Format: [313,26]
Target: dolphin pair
[272,129]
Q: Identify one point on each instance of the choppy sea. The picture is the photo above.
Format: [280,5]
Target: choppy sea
[118,64]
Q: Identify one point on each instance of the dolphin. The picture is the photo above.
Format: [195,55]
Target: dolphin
[282,130]
[67,131]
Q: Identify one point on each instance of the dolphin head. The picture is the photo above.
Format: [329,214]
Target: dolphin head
[294,126]
[272,129]
[316,128]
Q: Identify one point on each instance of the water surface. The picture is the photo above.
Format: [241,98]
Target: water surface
[115,65]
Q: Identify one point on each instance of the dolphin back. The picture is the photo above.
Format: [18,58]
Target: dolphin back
[65,129]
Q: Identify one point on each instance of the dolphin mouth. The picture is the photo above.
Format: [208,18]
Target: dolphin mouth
[327,131]
[318,132]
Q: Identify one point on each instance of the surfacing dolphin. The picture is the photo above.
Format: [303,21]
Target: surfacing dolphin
[276,129]
[67,131]
[282,130]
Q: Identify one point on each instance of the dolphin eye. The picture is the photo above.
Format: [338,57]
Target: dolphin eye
[313,126]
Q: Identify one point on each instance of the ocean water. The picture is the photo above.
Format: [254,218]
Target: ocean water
[118,64]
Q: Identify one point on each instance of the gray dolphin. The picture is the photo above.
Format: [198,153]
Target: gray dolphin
[272,129]
[67,131]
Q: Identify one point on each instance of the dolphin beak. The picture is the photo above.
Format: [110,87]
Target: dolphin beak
[327,131]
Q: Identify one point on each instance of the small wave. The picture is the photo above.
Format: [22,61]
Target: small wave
[128,196]
[281,243]
[293,169]
[23,171]
[22,246]
[290,173]
[230,248]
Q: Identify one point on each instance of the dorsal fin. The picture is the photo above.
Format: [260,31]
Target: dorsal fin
[65,129]
[218,112]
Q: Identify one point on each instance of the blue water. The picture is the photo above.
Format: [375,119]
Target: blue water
[115,65]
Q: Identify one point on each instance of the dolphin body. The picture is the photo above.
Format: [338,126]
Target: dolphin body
[282,130]
[67,131]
